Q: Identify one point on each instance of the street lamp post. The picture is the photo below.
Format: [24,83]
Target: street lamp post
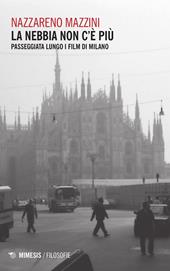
[66,173]
[92,161]
[93,157]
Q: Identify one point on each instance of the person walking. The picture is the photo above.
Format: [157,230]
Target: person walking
[31,212]
[100,213]
[145,224]
[149,199]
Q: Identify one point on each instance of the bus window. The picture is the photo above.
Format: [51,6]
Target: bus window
[59,194]
[65,193]
[68,193]
[2,201]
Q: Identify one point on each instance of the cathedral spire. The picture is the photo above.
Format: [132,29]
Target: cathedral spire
[71,94]
[15,122]
[119,90]
[82,87]
[66,94]
[154,128]
[29,125]
[37,115]
[137,115]
[112,89]
[57,74]
[154,120]
[149,133]
[45,94]
[88,87]
[160,127]
[160,130]
[76,91]
[33,118]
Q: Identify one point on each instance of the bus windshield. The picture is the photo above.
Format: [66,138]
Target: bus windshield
[68,193]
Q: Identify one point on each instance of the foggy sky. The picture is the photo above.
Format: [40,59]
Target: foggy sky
[140,52]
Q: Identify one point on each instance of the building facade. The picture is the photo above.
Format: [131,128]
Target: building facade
[75,128]
[76,134]
[17,157]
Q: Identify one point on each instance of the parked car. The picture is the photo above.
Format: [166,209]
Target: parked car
[109,204]
[162,220]
[19,205]
[41,200]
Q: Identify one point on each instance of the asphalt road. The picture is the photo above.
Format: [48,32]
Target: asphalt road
[66,232]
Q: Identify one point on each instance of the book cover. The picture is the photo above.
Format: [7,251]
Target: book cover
[84,94]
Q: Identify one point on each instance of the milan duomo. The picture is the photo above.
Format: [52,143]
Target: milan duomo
[56,145]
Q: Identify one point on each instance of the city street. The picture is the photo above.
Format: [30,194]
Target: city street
[66,232]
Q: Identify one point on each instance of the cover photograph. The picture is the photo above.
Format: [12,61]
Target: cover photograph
[84,135]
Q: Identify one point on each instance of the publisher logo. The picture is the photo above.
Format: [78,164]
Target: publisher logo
[12,254]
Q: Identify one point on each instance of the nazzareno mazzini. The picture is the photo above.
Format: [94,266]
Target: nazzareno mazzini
[27,46]
[55,22]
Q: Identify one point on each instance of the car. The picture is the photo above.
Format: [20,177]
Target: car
[109,204]
[41,200]
[19,205]
[162,220]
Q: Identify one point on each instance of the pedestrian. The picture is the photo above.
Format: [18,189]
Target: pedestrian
[149,199]
[31,212]
[145,225]
[143,180]
[100,213]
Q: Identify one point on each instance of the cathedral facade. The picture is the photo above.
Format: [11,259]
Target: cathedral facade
[18,156]
[83,133]
[76,134]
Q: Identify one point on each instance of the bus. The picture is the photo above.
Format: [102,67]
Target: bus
[6,212]
[63,198]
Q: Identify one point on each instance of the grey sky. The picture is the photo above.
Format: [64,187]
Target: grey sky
[138,25]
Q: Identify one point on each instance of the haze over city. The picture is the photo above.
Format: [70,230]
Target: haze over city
[139,52]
